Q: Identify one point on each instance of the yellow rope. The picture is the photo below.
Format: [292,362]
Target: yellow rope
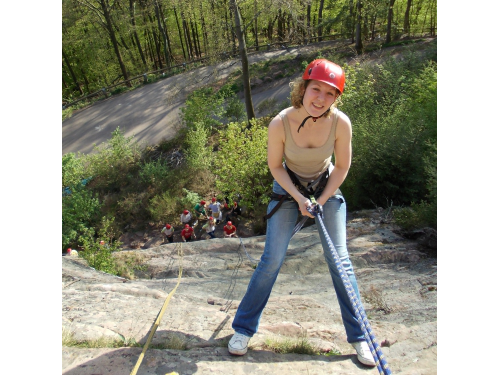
[158,318]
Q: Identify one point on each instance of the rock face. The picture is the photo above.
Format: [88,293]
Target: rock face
[397,281]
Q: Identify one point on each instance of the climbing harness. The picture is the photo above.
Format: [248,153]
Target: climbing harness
[382,365]
[314,188]
[158,317]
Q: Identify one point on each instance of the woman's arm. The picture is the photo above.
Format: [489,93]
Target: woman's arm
[275,151]
[343,153]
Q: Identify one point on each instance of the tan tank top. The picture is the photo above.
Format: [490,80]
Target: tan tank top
[308,163]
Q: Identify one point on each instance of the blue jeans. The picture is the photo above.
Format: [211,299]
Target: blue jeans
[279,230]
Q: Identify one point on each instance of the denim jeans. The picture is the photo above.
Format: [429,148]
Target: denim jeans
[279,230]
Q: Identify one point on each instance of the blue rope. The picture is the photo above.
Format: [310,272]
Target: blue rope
[382,365]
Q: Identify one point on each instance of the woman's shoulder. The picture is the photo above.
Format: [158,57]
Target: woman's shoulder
[278,120]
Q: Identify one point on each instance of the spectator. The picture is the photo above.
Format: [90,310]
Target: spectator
[187,233]
[199,210]
[186,217]
[215,208]
[229,230]
[233,212]
[210,227]
[168,233]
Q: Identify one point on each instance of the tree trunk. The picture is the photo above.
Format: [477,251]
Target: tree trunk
[352,24]
[204,28]
[180,34]
[390,15]
[162,31]
[308,23]
[136,37]
[244,61]
[109,26]
[320,20]
[359,42]
[256,26]
[406,24]
[71,72]
[168,47]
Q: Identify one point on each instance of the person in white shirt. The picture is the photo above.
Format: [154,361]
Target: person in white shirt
[216,210]
[168,233]
[186,217]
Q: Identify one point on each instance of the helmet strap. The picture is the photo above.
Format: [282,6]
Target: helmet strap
[314,118]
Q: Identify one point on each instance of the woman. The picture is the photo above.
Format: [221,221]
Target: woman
[209,227]
[306,135]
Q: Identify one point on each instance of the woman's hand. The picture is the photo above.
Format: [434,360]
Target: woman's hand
[303,205]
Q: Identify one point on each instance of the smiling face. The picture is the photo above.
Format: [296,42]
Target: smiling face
[318,97]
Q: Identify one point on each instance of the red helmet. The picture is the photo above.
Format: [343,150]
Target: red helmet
[327,72]
[210,218]
[235,203]
[202,202]
[168,226]
[229,223]
[186,212]
[186,226]
[214,199]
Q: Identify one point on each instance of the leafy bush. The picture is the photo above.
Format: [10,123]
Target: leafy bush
[198,155]
[244,170]
[418,215]
[100,256]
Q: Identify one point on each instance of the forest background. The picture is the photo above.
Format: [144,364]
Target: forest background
[123,185]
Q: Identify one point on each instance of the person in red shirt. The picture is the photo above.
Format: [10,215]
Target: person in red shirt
[229,230]
[187,233]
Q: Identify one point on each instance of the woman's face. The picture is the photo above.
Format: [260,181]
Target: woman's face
[318,97]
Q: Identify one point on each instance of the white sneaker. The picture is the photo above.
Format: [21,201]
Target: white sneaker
[238,344]
[364,354]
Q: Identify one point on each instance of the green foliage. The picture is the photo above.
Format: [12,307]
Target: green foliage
[190,200]
[100,256]
[80,206]
[393,110]
[267,105]
[244,170]
[164,207]
[418,215]
[235,110]
[73,170]
[80,211]
[154,173]
[198,154]
[113,160]
[300,345]
[203,106]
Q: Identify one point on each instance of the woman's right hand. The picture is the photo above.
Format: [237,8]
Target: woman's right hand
[303,205]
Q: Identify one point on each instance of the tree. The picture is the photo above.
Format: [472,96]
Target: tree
[103,13]
[390,16]
[359,42]
[406,23]
[244,60]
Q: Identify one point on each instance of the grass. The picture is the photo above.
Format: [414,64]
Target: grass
[286,345]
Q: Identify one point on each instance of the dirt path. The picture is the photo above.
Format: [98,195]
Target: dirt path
[152,112]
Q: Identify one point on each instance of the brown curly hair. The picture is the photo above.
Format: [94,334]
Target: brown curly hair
[299,88]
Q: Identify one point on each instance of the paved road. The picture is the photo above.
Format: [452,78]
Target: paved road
[152,113]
